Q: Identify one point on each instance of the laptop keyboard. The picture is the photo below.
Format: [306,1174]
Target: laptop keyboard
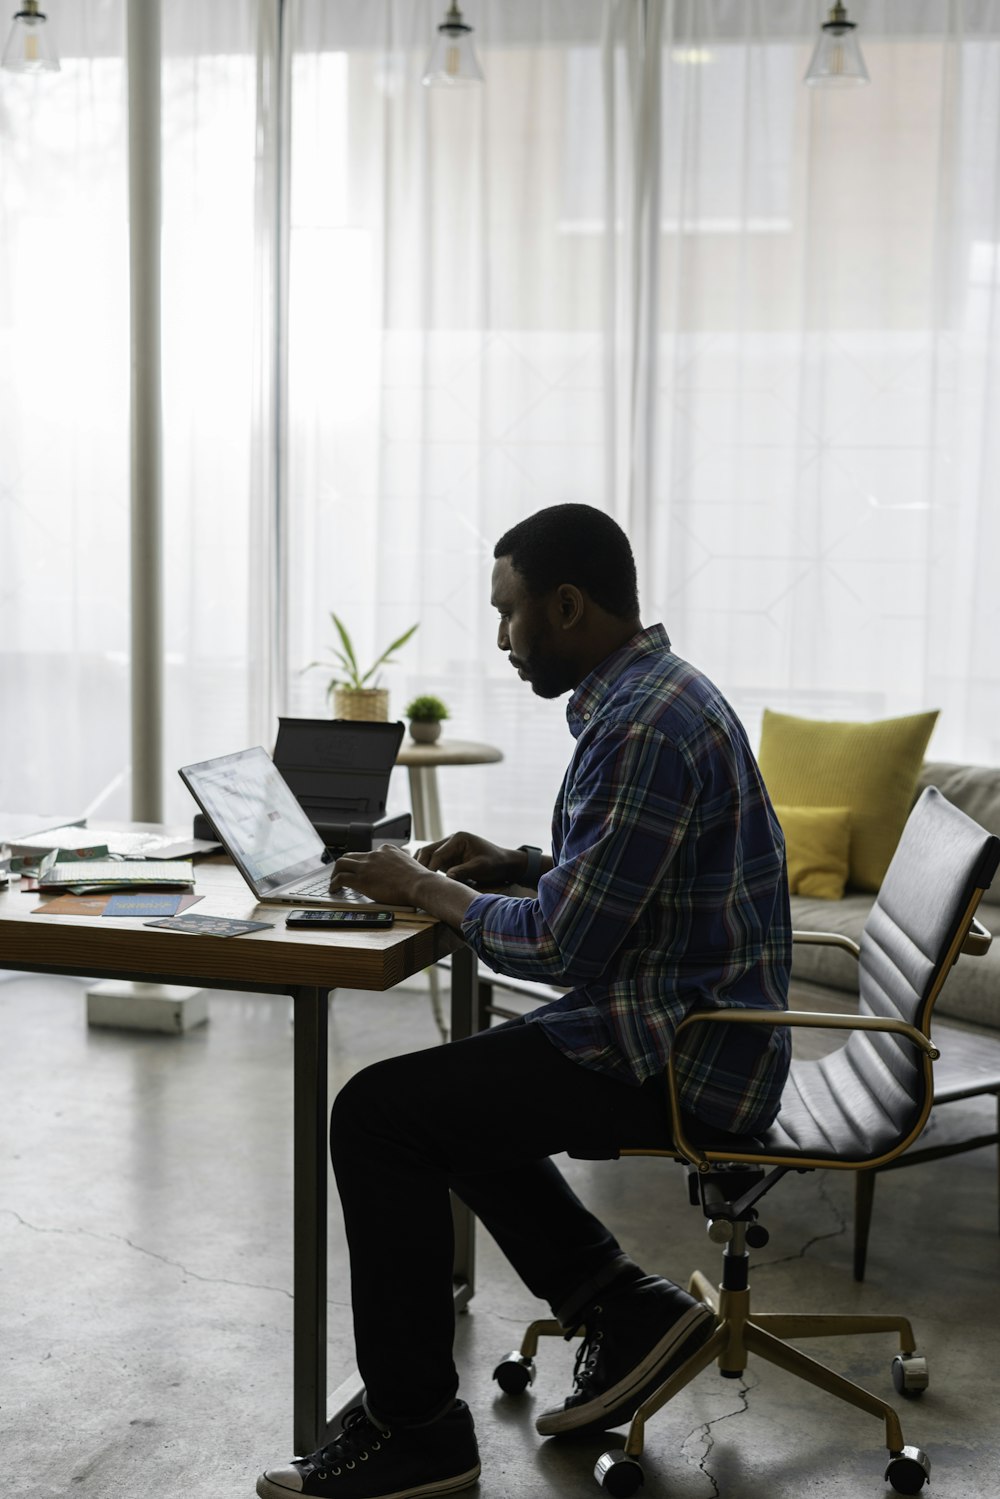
[322,887]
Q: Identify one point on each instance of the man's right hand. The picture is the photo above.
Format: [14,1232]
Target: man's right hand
[474,860]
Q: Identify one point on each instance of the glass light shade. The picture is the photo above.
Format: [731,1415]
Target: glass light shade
[29,47]
[453,61]
[837,60]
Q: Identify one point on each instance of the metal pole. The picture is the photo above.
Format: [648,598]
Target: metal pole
[143,58]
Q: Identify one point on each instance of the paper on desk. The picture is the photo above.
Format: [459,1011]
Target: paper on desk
[94,905]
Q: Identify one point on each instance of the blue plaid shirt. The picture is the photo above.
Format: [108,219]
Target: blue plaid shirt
[668,891]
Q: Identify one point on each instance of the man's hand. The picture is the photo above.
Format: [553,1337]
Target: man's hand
[387,874]
[466,857]
[392,877]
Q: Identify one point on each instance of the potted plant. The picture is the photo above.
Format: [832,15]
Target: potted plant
[354,693]
[425,714]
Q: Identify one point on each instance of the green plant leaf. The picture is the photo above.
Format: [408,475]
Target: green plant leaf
[386,658]
[348,658]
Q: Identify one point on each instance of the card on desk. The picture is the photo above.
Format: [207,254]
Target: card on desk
[211,926]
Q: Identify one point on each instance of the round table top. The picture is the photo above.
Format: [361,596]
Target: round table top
[447,752]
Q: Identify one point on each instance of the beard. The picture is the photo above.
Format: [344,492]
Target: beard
[547,676]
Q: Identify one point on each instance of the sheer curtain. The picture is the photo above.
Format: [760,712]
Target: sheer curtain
[64,437]
[642,267]
[64,412]
[460,282]
[824,507]
[647,268]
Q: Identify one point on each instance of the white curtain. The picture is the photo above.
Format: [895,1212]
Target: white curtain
[64,436]
[460,345]
[647,268]
[642,267]
[64,403]
[825,503]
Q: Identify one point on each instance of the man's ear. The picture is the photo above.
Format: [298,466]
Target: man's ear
[569,602]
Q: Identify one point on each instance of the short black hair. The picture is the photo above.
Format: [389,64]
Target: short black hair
[575,544]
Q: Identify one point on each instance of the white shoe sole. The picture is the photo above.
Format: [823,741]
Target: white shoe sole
[555,1422]
[268,1490]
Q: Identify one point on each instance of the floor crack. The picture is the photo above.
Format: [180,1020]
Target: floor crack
[705,1432]
[834,1233]
[214,1280]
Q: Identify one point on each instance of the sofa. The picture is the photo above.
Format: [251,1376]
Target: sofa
[972,992]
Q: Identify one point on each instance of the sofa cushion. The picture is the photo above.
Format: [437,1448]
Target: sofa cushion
[817,846]
[871,768]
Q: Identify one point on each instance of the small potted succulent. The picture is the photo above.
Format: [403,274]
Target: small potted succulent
[354,693]
[425,714]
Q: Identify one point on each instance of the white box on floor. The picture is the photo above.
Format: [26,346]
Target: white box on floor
[167,1008]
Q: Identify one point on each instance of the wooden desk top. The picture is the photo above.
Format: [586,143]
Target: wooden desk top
[112,946]
[447,752]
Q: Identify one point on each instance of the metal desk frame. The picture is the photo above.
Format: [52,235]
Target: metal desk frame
[313,1418]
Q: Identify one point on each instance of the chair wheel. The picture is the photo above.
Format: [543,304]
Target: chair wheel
[618,1474]
[514,1373]
[909,1375]
[908,1470]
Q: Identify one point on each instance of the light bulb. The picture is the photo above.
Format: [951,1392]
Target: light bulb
[453,61]
[29,46]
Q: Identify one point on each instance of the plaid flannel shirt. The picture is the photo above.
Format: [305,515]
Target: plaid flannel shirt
[668,892]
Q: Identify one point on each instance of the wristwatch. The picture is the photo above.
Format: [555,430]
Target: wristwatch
[533,873]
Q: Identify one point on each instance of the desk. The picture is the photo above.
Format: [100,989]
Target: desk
[298,963]
[422,761]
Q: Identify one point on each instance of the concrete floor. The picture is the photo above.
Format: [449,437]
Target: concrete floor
[145,1307]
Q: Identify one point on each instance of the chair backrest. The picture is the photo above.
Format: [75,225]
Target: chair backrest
[914,932]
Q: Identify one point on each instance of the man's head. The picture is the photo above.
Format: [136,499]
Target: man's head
[564,585]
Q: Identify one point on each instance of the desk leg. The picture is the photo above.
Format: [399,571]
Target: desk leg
[464,1017]
[311,1149]
[417,803]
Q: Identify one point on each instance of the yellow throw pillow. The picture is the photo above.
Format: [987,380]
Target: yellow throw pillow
[870,768]
[817,844]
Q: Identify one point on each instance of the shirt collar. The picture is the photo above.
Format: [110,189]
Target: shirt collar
[592,691]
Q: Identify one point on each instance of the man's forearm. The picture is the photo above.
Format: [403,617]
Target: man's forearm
[444,898]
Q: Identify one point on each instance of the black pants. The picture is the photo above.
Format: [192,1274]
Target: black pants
[481,1116]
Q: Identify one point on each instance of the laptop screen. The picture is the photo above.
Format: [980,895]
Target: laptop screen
[257,818]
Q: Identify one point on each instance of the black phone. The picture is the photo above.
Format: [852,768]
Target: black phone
[339,918]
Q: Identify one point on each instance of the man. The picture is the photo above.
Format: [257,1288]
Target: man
[665,891]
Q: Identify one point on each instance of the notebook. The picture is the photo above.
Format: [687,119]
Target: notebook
[266,833]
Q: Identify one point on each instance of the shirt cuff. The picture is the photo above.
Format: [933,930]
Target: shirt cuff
[472,922]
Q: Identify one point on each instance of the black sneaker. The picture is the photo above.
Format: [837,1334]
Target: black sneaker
[367,1461]
[632,1343]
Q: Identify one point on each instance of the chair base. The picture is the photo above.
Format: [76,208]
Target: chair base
[739,1333]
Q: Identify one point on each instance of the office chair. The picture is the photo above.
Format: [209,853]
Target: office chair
[859,1107]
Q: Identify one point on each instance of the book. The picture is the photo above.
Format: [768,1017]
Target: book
[114,874]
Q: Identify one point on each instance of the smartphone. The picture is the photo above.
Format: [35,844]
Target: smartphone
[321,919]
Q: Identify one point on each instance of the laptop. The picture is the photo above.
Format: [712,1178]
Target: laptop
[267,834]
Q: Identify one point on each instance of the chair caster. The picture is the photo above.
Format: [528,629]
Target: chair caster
[514,1373]
[909,1375]
[908,1470]
[618,1474]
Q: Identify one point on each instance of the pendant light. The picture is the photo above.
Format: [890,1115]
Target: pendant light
[29,47]
[837,60]
[453,62]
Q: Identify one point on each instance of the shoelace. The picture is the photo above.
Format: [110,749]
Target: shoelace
[358,1439]
[589,1351]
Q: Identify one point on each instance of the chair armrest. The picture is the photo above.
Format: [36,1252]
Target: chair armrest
[978,940]
[807,1018]
[828,939]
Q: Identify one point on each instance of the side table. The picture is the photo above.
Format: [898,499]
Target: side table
[422,761]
